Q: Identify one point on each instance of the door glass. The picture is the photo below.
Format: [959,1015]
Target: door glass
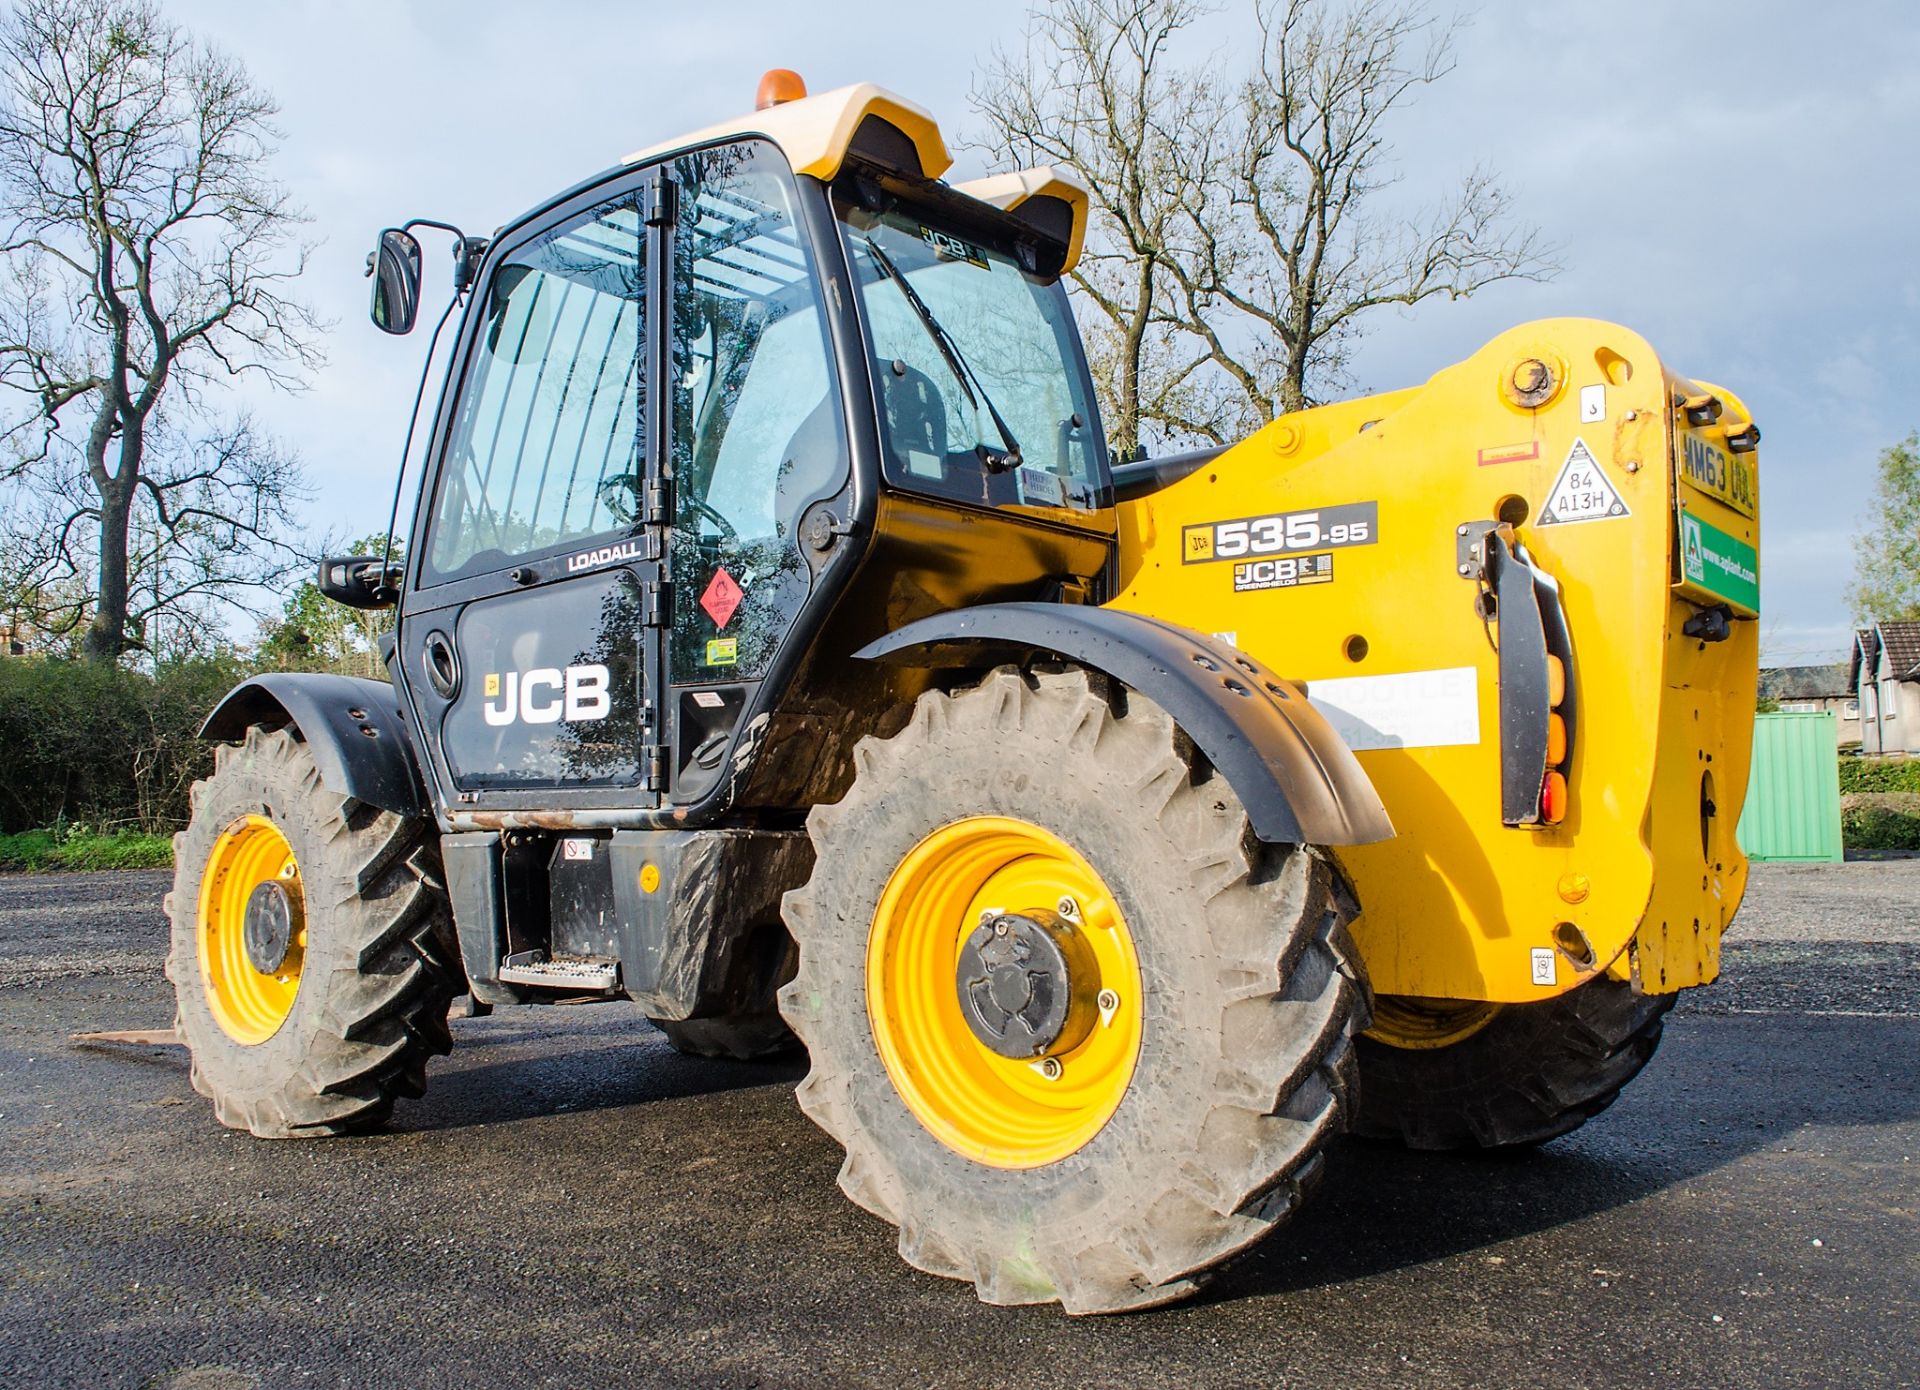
[757,431]
[546,449]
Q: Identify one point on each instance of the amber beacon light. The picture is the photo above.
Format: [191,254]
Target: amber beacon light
[778,86]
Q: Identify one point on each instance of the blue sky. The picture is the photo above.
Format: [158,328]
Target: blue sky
[1738,181]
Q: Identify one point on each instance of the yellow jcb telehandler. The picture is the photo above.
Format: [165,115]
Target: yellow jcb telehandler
[777,647]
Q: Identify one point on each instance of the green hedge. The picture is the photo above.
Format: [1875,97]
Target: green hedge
[1879,775]
[103,748]
[1880,820]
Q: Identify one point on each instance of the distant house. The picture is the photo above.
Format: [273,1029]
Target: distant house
[1816,688]
[1885,672]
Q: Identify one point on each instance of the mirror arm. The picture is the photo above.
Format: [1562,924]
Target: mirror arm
[467,250]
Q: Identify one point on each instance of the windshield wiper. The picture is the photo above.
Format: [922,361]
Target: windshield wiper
[995,461]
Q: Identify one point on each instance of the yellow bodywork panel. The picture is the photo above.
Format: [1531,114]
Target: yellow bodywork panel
[1329,545]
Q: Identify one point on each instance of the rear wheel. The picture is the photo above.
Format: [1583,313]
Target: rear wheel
[312,946]
[1105,1030]
[748,1038]
[1447,1074]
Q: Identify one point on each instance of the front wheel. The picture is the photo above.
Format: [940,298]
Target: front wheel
[313,956]
[1081,1034]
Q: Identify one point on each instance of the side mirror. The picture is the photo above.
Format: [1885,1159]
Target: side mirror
[395,268]
[356,581]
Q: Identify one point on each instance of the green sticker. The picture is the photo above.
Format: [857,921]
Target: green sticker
[1721,564]
[723,651]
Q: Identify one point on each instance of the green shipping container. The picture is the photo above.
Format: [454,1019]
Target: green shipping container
[1793,801]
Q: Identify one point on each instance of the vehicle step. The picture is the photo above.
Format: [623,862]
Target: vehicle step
[538,969]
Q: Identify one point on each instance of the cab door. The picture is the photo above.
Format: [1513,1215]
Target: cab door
[531,634]
[757,438]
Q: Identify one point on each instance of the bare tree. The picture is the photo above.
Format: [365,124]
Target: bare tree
[147,257]
[1094,89]
[1291,235]
[1241,213]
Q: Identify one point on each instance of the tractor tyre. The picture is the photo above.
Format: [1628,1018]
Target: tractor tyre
[747,1038]
[1494,1076]
[313,956]
[1022,852]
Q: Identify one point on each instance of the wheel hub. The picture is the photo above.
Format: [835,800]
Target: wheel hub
[267,926]
[1028,984]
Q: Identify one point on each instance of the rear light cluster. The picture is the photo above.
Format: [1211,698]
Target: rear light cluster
[1553,787]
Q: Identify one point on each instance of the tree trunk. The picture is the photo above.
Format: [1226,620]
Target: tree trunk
[106,638]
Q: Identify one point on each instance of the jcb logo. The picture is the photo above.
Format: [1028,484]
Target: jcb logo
[547,695]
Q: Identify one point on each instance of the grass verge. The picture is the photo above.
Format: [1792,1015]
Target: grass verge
[44,851]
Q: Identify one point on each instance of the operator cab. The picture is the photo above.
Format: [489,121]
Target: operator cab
[766,389]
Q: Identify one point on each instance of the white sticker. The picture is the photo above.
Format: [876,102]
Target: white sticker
[708,699]
[1593,404]
[1544,967]
[1039,488]
[576,849]
[1582,492]
[1414,709]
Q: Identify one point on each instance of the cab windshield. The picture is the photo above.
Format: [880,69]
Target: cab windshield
[1010,349]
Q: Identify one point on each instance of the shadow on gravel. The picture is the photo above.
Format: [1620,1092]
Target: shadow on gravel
[1381,1207]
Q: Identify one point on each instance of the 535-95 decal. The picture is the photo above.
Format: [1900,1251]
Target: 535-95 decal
[1281,533]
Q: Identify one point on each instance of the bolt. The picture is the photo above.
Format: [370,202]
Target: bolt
[1633,465]
[1460,530]
[988,915]
[1070,909]
[1000,927]
[1466,569]
[1051,1068]
[1108,1002]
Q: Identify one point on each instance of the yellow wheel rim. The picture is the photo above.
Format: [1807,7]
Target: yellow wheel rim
[1000,1111]
[249,1004]
[1420,1025]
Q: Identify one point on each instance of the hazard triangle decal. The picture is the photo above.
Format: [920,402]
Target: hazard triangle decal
[1582,492]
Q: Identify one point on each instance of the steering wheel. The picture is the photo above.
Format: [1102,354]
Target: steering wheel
[725,527]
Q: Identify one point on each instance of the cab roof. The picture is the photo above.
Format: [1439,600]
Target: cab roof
[817,134]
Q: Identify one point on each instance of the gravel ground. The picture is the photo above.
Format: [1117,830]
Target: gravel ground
[572,1204]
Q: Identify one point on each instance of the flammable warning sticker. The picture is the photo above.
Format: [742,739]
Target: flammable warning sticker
[1287,572]
[1582,492]
[1281,533]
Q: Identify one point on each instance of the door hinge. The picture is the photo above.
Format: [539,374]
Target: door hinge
[653,767]
[657,202]
[656,605]
[656,502]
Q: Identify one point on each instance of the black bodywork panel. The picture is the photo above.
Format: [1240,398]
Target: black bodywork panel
[1533,627]
[692,916]
[1298,780]
[355,729]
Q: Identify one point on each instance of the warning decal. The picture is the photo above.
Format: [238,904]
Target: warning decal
[1582,492]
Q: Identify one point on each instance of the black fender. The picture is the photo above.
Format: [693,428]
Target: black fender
[1297,778]
[355,729]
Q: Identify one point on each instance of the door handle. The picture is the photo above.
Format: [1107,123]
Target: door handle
[441,663]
